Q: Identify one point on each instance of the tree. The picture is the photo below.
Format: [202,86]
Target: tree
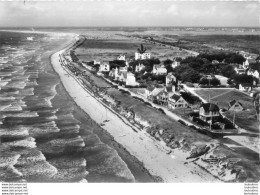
[228,71]
[209,82]
[190,75]
[142,49]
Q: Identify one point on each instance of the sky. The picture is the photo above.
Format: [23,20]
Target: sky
[129,13]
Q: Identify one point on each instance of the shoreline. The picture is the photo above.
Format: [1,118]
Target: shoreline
[172,167]
[107,138]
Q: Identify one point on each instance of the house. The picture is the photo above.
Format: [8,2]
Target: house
[122,77]
[170,78]
[139,67]
[162,97]
[121,57]
[240,70]
[215,62]
[245,87]
[123,69]
[104,67]
[151,92]
[175,64]
[148,91]
[235,106]
[208,77]
[247,62]
[209,112]
[130,79]
[142,56]
[159,70]
[177,101]
[253,72]
[96,62]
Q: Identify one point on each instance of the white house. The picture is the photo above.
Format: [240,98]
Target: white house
[121,57]
[245,87]
[175,64]
[246,64]
[159,70]
[177,101]
[130,80]
[215,62]
[240,70]
[235,106]
[142,56]
[139,67]
[209,112]
[104,67]
[253,72]
[170,78]
[96,62]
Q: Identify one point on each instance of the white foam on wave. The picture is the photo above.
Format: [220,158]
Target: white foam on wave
[18,131]
[10,173]
[3,83]
[4,98]
[30,156]
[59,145]
[68,174]
[33,83]
[18,85]
[25,114]
[68,162]
[43,128]
[40,169]
[28,142]
[16,106]
[8,160]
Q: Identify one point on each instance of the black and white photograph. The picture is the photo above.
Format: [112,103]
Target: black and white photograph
[129,92]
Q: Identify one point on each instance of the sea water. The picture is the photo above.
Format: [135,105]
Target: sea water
[41,140]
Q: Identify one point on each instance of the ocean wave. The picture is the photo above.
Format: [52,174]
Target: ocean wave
[9,172]
[70,174]
[28,142]
[4,98]
[31,84]
[68,162]
[25,114]
[8,160]
[13,84]
[60,145]
[43,128]
[103,160]
[3,83]
[30,156]
[18,131]
[40,169]
[26,92]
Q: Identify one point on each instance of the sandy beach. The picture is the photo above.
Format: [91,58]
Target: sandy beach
[151,153]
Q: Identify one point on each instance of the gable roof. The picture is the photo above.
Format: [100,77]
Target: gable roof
[210,107]
[233,102]
[150,88]
[176,97]
[156,91]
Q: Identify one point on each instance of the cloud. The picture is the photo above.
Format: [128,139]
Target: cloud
[129,13]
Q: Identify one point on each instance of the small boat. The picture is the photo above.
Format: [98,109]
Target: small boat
[105,121]
[102,124]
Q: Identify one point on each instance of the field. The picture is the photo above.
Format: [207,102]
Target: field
[202,43]
[106,46]
[245,119]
